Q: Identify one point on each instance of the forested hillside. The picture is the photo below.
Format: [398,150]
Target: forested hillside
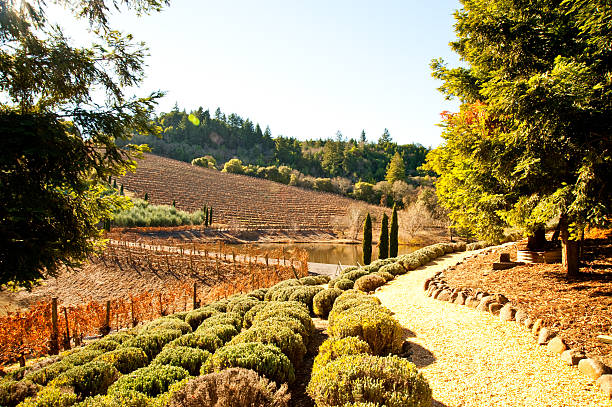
[186,136]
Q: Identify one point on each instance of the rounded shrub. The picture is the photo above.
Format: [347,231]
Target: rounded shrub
[125,360]
[194,318]
[355,274]
[122,336]
[410,262]
[89,379]
[231,387]
[48,373]
[207,341]
[281,293]
[125,399]
[323,302]
[266,360]
[299,313]
[105,344]
[369,283]
[219,305]
[258,294]
[283,337]
[242,305]
[224,332]
[305,295]
[167,323]
[50,397]
[13,392]
[289,322]
[351,298]
[349,268]
[190,359]
[152,342]
[150,380]
[387,276]
[344,284]
[309,280]
[226,318]
[389,381]
[81,356]
[394,269]
[322,279]
[333,348]
[179,315]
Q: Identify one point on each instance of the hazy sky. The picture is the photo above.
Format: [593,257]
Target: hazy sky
[306,69]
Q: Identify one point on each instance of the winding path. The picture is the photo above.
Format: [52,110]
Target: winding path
[473,359]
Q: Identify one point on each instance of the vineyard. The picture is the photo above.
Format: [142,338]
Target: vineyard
[140,282]
[238,200]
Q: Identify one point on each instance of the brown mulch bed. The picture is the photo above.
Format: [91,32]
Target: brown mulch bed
[580,307]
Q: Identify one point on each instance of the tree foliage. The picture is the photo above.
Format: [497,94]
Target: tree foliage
[383,241]
[367,240]
[396,170]
[393,234]
[59,135]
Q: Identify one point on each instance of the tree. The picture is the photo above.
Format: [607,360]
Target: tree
[532,141]
[393,234]
[233,166]
[366,244]
[383,241]
[59,136]
[385,138]
[396,171]
[362,137]
[205,210]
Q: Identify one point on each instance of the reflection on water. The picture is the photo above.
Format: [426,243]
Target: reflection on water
[346,254]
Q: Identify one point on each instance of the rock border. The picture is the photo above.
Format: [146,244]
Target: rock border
[437,288]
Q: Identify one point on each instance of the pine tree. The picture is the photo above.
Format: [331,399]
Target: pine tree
[393,234]
[396,170]
[367,240]
[383,242]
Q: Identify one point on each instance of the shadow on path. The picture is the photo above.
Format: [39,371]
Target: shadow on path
[437,403]
[418,355]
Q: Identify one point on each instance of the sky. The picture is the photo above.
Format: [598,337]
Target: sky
[306,69]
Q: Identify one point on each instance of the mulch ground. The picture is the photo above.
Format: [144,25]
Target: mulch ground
[580,307]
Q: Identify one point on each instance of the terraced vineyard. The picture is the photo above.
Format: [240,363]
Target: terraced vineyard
[238,200]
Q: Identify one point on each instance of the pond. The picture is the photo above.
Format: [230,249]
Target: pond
[332,253]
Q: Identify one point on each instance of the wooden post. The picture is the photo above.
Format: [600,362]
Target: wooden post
[195,295]
[54,344]
[67,340]
[134,321]
[106,328]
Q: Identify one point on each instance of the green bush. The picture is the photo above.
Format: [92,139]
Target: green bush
[355,274]
[145,214]
[190,359]
[125,399]
[122,336]
[194,318]
[50,397]
[409,262]
[13,392]
[289,322]
[224,332]
[351,298]
[207,341]
[152,342]
[266,360]
[385,275]
[305,295]
[333,348]
[226,318]
[349,268]
[219,305]
[322,279]
[309,280]
[48,373]
[151,380]
[323,302]
[395,269]
[290,343]
[125,360]
[371,323]
[258,294]
[105,345]
[344,284]
[389,381]
[231,387]
[281,293]
[89,379]
[369,283]
[243,305]
[179,315]
[300,313]
[81,356]
[167,323]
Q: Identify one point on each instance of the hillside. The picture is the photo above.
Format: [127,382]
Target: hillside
[242,201]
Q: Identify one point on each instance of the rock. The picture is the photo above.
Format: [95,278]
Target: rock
[605,384]
[484,303]
[545,335]
[444,296]
[592,368]
[427,283]
[605,339]
[556,344]
[503,265]
[504,257]
[500,298]
[453,296]
[472,301]
[520,316]
[507,312]
[537,325]
[436,293]
[495,307]
[460,300]
[480,295]
[528,323]
[572,357]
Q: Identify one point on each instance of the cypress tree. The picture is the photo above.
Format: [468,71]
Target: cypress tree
[205,210]
[115,184]
[121,189]
[367,240]
[393,234]
[146,196]
[383,242]
[210,217]
[174,203]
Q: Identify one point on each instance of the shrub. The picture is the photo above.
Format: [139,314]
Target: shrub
[300,313]
[224,332]
[150,380]
[385,275]
[190,359]
[220,305]
[121,336]
[394,269]
[266,360]
[13,392]
[369,283]
[48,373]
[460,246]
[476,245]
[105,345]
[50,397]
[241,304]
[125,360]
[207,341]
[322,279]
[167,323]
[309,280]
[248,317]
[323,302]
[231,387]
[227,318]
[289,322]
[286,283]
[89,379]
[389,381]
[344,284]
[290,343]
[125,399]
[194,318]
[152,342]
[273,305]
[351,298]
[372,324]
[281,293]
[81,356]
[349,268]
[305,295]
[355,274]
[409,262]
[179,315]
[259,293]
[333,348]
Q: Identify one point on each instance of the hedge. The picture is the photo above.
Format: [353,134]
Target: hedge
[344,284]
[386,275]
[194,318]
[395,269]
[299,313]
[332,348]
[167,323]
[369,283]
[290,343]
[13,392]
[125,360]
[190,359]
[227,318]
[151,380]
[207,341]
[305,295]
[152,342]
[89,379]
[355,274]
[289,322]
[323,302]
[50,397]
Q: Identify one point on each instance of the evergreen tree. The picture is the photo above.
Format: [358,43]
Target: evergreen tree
[362,138]
[205,210]
[146,197]
[393,234]
[383,242]
[396,171]
[174,203]
[367,240]
[210,217]
[115,184]
[121,192]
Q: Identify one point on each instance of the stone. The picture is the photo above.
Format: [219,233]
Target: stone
[605,339]
[495,307]
[460,300]
[437,293]
[427,283]
[537,325]
[480,295]
[605,384]
[572,356]
[504,257]
[545,335]
[528,323]
[592,368]
[507,312]
[444,296]
[484,303]
[500,298]
[503,265]
[556,345]
[453,296]
[520,316]
[472,301]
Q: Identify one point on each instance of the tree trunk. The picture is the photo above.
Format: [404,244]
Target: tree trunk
[569,249]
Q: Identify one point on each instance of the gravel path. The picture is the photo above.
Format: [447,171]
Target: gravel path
[471,358]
